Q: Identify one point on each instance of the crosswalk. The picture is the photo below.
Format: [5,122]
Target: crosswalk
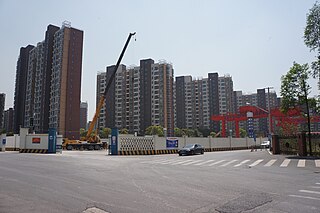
[299,163]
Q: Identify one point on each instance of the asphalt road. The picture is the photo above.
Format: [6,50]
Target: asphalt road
[237,181]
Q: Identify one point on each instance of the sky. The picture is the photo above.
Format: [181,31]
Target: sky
[255,42]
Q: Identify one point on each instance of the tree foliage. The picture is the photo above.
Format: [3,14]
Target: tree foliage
[124,131]
[155,130]
[294,86]
[104,132]
[312,36]
[243,133]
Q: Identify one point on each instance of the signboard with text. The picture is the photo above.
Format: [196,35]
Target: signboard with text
[172,143]
[36,140]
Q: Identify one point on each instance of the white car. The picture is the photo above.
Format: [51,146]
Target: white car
[265,144]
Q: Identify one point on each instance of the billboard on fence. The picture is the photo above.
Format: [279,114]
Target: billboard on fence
[36,140]
[172,143]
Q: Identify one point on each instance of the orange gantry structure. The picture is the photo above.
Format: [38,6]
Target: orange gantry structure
[293,117]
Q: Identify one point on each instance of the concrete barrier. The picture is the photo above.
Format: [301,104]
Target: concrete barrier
[149,145]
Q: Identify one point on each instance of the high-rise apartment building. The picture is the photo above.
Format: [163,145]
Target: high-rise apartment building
[145,94]
[48,83]
[162,109]
[182,87]
[136,104]
[83,115]
[197,100]
[8,120]
[226,100]
[37,100]
[113,96]
[20,88]
[101,86]
[2,105]
[66,81]
[214,103]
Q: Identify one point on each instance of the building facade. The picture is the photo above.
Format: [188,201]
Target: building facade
[66,82]
[101,86]
[20,88]
[8,120]
[2,105]
[162,109]
[83,115]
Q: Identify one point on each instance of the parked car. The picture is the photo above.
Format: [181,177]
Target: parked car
[265,144]
[191,149]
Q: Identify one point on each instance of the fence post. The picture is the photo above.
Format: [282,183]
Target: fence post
[302,142]
[275,145]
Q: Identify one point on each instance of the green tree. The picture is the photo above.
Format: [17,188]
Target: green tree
[295,91]
[104,132]
[312,37]
[213,134]
[124,131]
[178,132]
[243,133]
[83,132]
[155,130]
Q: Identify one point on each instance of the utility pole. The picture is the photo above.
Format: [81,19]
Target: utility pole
[269,116]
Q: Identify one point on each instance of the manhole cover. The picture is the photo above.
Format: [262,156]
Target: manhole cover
[94,210]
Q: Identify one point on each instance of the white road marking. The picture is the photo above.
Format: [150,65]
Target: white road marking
[301,163]
[167,162]
[306,197]
[271,162]
[241,163]
[285,163]
[256,162]
[309,191]
[314,187]
[230,162]
[181,162]
[215,163]
[318,183]
[317,162]
[208,161]
[192,162]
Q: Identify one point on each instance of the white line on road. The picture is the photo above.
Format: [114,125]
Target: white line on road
[208,161]
[314,187]
[299,196]
[301,163]
[285,163]
[318,183]
[181,162]
[226,164]
[167,162]
[256,162]
[192,162]
[271,162]
[317,162]
[215,163]
[311,192]
[241,163]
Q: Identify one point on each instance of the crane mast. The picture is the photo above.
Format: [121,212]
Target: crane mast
[103,97]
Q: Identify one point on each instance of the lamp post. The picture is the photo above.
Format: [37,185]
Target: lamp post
[269,116]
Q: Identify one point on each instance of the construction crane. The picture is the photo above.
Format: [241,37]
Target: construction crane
[93,141]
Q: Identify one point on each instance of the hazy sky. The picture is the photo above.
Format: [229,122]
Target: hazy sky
[255,41]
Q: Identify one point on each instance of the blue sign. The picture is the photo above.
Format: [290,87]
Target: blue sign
[52,140]
[4,141]
[114,141]
[172,143]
